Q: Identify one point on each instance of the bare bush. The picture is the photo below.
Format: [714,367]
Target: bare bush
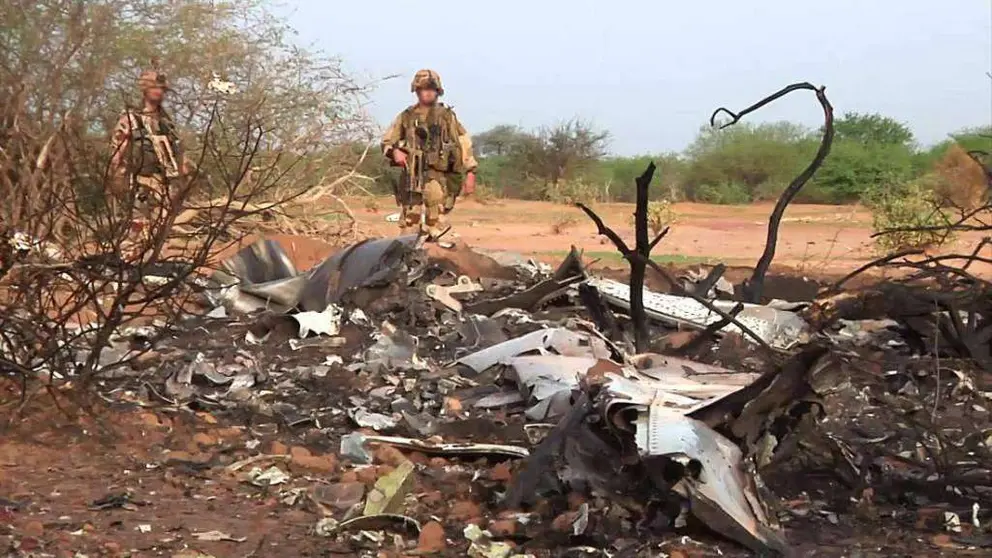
[83,264]
[564,221]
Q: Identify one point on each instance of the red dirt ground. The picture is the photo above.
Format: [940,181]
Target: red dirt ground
[814,239]
[172,463]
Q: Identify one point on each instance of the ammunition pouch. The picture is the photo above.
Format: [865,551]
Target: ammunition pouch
[153,153]
[436,136]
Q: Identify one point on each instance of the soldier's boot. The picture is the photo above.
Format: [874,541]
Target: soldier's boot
[410,218]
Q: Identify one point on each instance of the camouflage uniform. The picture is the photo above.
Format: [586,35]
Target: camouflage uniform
[146,176]
[446,152]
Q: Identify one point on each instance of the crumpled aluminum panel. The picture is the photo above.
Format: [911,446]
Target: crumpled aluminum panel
[563,341]
[262,275]
[723,495]
[359,265]
[778,328]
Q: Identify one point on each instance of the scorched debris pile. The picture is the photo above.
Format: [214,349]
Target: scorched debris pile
[793,412]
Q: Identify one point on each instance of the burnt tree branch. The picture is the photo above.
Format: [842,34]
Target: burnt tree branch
[639,259]
[755,285]
[642,251]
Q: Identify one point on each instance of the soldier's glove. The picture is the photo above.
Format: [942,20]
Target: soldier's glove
[469,186]
[398,157]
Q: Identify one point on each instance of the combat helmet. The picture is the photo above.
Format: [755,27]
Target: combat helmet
[152,78]
[427,79]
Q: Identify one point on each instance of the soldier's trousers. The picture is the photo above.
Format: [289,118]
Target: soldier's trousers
[429,203]
[150,195]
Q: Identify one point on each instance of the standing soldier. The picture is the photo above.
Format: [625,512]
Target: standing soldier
[146,150]
[432,148]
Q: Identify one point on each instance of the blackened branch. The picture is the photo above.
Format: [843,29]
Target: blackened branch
[639,259]
[602,229]
[658,238]
[755,285]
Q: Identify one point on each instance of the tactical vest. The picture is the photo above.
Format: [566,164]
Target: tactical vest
[436,136]
[144,161]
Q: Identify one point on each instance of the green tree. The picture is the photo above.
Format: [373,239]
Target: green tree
[872,129]
[974,139]
[870,152]
[746,162]
[854,168]
[302,98]
[499,140]
[618,174]
[562,152]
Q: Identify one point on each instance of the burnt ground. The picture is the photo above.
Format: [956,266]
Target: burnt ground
[141,474]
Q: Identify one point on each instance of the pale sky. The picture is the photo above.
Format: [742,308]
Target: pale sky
[652,71]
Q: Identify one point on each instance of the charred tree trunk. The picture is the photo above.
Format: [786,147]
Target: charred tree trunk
[639,259]
[754,287]
[638,266]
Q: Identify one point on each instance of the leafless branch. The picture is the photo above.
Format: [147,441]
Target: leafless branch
[753,288]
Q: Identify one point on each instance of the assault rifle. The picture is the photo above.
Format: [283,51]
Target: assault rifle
[413,176]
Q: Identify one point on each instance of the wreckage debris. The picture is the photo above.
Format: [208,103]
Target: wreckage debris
[782,329]
[419,375]
[432,447]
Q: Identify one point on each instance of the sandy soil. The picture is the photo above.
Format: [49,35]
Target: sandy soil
[814,239]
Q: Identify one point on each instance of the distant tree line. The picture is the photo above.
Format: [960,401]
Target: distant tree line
[872,154]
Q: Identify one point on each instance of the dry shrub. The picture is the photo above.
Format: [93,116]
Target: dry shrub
[75,273]
[661,214]
[564,220]
[371,204]
[960,181]
[570,192]
[485,194]
[908,217]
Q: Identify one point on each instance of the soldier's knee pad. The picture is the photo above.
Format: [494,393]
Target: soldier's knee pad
[433,193]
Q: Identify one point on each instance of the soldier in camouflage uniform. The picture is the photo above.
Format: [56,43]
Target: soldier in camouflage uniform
[146,150]
[432,148]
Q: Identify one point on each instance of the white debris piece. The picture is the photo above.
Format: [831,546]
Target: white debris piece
[779,328]
[722,494]
[722,486]
[217,536]
[375,421]
[952,522]
[563,341]
[221,86]
[327,322]
[269,477]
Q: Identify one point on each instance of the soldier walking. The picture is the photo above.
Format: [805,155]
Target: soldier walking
[146,152]
[432,148]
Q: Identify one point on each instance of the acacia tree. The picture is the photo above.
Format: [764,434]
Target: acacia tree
[69,259]
[562,151]
[873,128]
[306,94]
[499,140]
